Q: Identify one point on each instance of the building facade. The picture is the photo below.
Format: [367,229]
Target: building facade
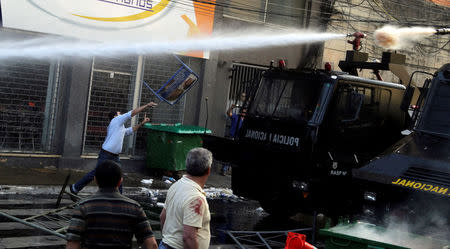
[53,112]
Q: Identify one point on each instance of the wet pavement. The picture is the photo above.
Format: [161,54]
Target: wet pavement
[28,191]
[38,188]
[49,175]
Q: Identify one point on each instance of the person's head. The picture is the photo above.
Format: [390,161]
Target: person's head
[108,174]
[113,114]
[242,97]
[198,162]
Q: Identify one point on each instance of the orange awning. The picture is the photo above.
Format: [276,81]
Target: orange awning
[441,2]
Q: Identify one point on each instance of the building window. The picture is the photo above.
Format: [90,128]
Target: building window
[157,70]
[112,87]
[28,90]
[288,13]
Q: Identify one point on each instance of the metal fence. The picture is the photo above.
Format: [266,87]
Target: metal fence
[243,78]
[113,88]
[29,95]
[157,70]
[28,90]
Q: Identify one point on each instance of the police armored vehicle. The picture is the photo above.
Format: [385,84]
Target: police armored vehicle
[411,179]
[303,133]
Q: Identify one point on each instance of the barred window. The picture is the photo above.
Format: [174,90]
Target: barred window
[279,12]
[27,105]
[111,90]
[157,70]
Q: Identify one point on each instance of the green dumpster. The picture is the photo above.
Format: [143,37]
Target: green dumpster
[167,145]
[362,235]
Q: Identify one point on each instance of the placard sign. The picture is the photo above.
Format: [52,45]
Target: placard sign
[174,89]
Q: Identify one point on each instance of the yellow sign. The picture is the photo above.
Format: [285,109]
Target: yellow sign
[147,13]
[422,186]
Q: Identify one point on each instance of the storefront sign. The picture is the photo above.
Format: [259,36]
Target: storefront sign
[112,20]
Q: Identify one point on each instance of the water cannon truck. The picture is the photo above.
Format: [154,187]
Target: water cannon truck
[306,130]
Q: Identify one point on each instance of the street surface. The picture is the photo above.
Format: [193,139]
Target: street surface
[28,192]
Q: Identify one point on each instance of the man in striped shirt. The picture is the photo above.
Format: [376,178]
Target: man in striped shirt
[109,219]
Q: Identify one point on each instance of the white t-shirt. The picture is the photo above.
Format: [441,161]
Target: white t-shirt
[116,132]
[186,205]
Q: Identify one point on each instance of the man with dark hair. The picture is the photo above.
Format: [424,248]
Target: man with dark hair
[113,142]
[108,219]
[111,115]
[185,216]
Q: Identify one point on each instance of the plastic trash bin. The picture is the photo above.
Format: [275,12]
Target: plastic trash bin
[367,236]
[168,145]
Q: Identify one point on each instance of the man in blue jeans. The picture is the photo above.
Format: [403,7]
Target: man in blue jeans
[113,142]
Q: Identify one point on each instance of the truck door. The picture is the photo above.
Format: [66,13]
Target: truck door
[351,128]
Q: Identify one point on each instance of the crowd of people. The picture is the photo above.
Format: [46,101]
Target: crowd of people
[108,219]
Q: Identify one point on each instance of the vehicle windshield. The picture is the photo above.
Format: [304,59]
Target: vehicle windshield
[434,115]
[286,98]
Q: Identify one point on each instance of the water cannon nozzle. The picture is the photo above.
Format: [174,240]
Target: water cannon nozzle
[443,31]
[357,41]
[357,35]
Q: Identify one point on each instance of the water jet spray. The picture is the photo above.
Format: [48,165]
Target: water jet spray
[50,47]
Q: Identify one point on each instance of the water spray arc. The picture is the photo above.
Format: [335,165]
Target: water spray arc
[49,47]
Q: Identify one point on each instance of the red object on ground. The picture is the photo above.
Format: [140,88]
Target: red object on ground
[297,241]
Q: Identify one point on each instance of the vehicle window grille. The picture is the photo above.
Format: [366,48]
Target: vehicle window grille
[436,109]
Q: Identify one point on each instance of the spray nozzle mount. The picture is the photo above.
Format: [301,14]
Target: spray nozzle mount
[443,31]
[357,41]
